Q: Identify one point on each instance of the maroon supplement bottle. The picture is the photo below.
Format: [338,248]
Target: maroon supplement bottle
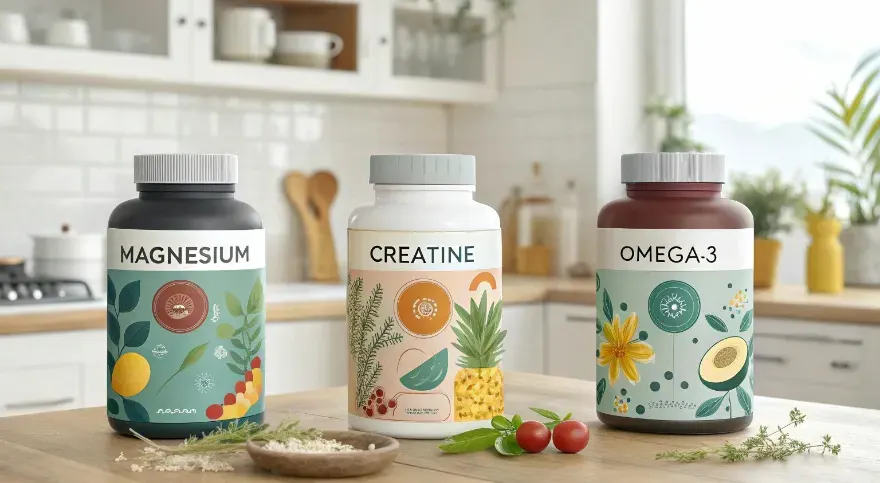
[674,300]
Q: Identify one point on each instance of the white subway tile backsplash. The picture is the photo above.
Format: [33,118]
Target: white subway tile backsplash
[8,114]
[35,116]
[69,118]
[164,122]
[112,181]
[34,179]
[199,123]
[86,149]
[106,95]
[166,99]
[117,120]
[8,88]
[277,126]
[252,125]
[51,92]
[22,148]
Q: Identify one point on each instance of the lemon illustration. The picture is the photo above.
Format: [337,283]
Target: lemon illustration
[130,375]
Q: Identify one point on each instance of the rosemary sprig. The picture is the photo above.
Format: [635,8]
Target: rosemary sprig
[234,436]
[762,446]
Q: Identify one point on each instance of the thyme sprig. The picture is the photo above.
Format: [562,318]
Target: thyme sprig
[234,436]
[777,445]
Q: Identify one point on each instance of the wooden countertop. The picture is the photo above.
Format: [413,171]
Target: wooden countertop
[78,446]
[854,305]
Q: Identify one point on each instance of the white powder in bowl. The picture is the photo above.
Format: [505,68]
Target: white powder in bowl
[319,445]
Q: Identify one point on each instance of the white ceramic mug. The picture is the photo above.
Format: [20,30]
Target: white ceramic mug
[246,34]
[13,28]
[308,48]
[69,32]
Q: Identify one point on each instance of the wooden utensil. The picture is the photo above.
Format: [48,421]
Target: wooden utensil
[322,191]
[296,187]
[330,465]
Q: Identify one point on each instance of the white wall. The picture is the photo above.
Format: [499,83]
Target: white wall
[67,153]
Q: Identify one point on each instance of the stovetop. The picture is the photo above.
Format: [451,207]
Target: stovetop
[19,288]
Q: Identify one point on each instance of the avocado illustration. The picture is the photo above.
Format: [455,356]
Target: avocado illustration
[725,365]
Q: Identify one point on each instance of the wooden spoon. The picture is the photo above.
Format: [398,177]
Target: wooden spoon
[296,187]
[323,187]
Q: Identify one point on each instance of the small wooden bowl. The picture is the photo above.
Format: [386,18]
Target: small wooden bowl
[330,465]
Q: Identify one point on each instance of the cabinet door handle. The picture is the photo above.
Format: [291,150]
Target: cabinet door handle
[579,318]
[773,359]
[38,404]
[809,338]
[843,365]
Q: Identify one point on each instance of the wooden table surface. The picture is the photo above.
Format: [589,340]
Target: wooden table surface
[78,446]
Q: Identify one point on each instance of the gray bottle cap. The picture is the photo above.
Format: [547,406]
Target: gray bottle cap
[427,169]
[186,168]
[672,168]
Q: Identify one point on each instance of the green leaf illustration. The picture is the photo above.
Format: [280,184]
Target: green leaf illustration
[129,296]
[607,306]
[471,441]
[709,407]
[234,369]
[233,305]
[255,301]
[546,413]
[598,283]
[235,357]
[256,347]
[507,445]
[111,362]
[752,379]
[744,400]
[256,333]
[191,358]
[751,348]
[429,374]
[517,421]
[225,331]
[137,333]
[238,344]
[111,294]
[501,423]
[716,323]
[113,328]
[746,322]
[598,326]
[600,390]
[112,406]
[135,412]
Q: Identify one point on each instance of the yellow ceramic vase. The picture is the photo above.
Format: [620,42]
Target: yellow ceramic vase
[824,256]
[766,260]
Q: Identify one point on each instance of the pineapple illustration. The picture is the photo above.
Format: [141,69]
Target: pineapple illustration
[479,384]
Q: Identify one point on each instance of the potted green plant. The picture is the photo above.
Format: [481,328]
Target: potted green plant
[676,126]
[770,199]
[825,253]
[850,123]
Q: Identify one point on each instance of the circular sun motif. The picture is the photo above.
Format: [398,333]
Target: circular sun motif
[423,308]
[673,306]
[180,306]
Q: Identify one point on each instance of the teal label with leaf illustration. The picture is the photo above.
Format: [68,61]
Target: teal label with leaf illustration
[184,345]
[674,342]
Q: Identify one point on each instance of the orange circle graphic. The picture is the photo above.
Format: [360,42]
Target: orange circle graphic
[483,277]
[423,308]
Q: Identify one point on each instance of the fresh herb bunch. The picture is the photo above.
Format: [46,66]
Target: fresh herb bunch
[234,436]
[501,436]
[762,446]
[769,198]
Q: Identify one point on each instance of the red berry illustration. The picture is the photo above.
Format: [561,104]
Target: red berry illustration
[392,403]
[215,411]
[383,409]
[379,401]
[240,387]
[249,376]
[229,399]
[256,363]
[379,392]
[372,396]
[369,413]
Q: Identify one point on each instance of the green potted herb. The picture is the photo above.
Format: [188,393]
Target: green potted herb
[676,126]
[769,198]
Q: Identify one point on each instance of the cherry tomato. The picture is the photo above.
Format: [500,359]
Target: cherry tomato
[392,403]
[380,392]
[240,387]
[382,409]
[532,436]
[256,363]
[571,436]
[249,376]
[229,399]
[214,411]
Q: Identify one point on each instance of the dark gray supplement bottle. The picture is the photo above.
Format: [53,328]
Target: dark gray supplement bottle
[674,300]
[185,305]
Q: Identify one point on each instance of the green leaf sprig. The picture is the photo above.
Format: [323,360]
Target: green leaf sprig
[777,445]
[501,436]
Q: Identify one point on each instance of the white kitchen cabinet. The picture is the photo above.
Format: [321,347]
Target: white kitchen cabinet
[524,344]
[305,354]
[571,340]
[174,43]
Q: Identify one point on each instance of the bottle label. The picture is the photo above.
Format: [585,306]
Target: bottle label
[424,325]
[186,322]
[674,324]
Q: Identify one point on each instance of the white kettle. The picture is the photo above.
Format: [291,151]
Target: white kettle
[246,34]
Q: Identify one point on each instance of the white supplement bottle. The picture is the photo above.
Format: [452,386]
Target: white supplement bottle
[424,301]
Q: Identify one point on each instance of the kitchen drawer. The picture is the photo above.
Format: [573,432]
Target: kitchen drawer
[571,341]
[805,391]
[38,389]
[799,358]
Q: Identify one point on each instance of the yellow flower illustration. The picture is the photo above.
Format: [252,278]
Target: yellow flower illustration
[623,408]
[621,352]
